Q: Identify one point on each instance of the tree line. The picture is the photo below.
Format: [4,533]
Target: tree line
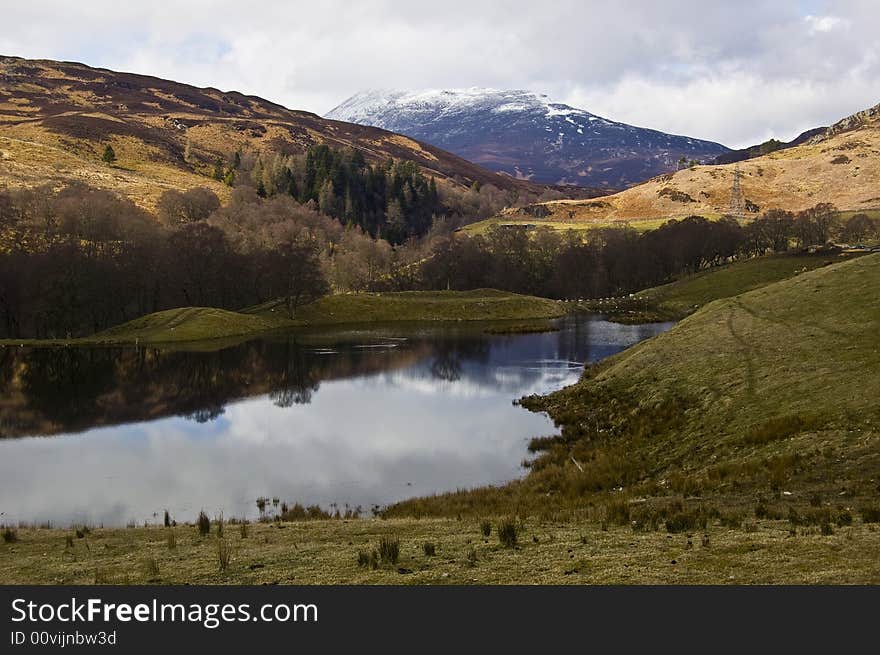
[614,261]
[77,260]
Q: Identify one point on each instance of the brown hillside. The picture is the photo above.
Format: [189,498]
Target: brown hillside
[57,117]
[841,166]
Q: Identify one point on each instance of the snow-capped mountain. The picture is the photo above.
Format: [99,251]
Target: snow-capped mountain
[526,135]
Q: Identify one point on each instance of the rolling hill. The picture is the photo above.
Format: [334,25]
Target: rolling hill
[767,147]
[841,166]
[763,403]
[57,117]
[527,136]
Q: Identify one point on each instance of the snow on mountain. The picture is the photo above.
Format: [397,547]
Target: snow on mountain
[526,135]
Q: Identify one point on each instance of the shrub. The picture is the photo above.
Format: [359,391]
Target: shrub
[389,550]
[368,559]
[472,557]
[485,528]
[617,512]
[870,513]
[781,427]
[204,524]
[762,511]
[730,520]
[820,516]
[827,529]
[844,518]
[429,548]
[171,540]
[244,529]
[223,554]
[508,533]
[682,521]
[299,513]
[10,536]
[152,568]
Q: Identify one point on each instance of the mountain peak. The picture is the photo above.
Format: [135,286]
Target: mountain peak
[526,134]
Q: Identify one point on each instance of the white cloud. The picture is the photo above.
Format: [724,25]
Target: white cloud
[733,72]
[824,23]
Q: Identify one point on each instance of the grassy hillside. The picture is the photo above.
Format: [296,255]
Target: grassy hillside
[761,404]
[184,324]
[57,117]
[193,324]
[477,305]
[842,167]
[677,299]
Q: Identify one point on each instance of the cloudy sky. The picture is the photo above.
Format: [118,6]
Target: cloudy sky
[735,72]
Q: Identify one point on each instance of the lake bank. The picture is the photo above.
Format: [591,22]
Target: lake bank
[206,324]
[428,408]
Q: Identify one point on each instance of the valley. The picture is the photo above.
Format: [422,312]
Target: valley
[754,462]
[446,337]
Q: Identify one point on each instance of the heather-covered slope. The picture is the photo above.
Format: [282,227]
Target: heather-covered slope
[57,117]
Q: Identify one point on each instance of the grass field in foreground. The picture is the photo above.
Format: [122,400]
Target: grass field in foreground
[548,552]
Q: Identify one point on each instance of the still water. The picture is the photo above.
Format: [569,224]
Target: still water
[351,417]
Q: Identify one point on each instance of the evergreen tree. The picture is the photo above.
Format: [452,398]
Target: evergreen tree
[218,169]
[109,156]
[327,199]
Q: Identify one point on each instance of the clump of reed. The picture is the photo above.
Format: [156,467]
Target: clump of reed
[508,532]
[389,550]
[204,524]
[224,554]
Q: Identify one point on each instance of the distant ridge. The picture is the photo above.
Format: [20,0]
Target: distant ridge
[526,135]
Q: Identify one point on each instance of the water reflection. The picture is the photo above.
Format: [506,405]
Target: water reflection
[352,417]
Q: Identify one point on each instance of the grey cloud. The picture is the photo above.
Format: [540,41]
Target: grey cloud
[733,72]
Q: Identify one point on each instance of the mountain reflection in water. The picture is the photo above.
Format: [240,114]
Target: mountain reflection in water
[111,435]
